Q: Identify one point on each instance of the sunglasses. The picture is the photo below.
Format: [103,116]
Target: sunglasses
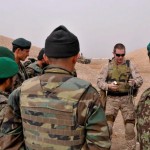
[118,55]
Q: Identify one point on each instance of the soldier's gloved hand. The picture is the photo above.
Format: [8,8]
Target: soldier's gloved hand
[131,82]
[112,86]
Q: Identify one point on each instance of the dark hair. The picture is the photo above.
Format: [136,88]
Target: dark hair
[40,55]
[148,54]
[3,80]
[119,46]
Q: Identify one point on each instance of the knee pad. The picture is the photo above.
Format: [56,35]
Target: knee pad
[129,131]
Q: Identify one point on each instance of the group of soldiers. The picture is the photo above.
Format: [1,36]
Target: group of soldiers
[45,106]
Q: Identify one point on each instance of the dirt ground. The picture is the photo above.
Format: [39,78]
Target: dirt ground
[90,72]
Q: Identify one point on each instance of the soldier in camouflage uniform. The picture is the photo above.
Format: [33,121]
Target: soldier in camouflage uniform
[119,78]
[57,110]
[8,70]
[21,49]
[143,117]
[36,68]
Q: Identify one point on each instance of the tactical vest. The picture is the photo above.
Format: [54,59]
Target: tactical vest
[49,115]
[121,74]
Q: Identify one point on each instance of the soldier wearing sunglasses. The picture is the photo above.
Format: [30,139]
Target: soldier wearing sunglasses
[118,78]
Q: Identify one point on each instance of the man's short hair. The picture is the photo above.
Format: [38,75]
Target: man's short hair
[119,46]
[40,55]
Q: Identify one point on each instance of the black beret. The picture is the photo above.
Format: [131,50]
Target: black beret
[61,43]
[40,55]
[22,43]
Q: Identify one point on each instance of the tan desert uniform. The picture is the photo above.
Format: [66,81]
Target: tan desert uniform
[120,101]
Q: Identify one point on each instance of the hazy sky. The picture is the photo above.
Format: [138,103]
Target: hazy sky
[98,24]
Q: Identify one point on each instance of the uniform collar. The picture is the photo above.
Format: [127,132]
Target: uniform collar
[114,62]
[57,69]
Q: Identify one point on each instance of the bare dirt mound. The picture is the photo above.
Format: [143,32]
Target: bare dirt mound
[7,42]
[90,71]
[139,57]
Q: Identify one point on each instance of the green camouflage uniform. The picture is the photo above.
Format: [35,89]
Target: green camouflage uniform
[121,100]
[3,103]
[143,120]
[33,70]
[47,91]
[20,76]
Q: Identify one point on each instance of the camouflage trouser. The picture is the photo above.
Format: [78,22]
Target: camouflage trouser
[126,106]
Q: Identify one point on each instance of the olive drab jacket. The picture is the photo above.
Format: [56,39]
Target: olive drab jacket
[58,111]
[3,103]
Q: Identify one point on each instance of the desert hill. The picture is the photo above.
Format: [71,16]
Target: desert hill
[140,58]
[90,71]
[6,41]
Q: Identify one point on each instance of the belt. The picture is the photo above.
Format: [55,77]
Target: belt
[117,94]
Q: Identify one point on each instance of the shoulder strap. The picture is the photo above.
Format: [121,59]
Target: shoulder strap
[128,63]
[129,70]
[109,60]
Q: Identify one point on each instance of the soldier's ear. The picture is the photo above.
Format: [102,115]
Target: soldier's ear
[74,60]
[46,59]
[79,55]
[17,50]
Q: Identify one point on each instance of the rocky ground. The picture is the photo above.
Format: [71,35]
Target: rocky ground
[90,72]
